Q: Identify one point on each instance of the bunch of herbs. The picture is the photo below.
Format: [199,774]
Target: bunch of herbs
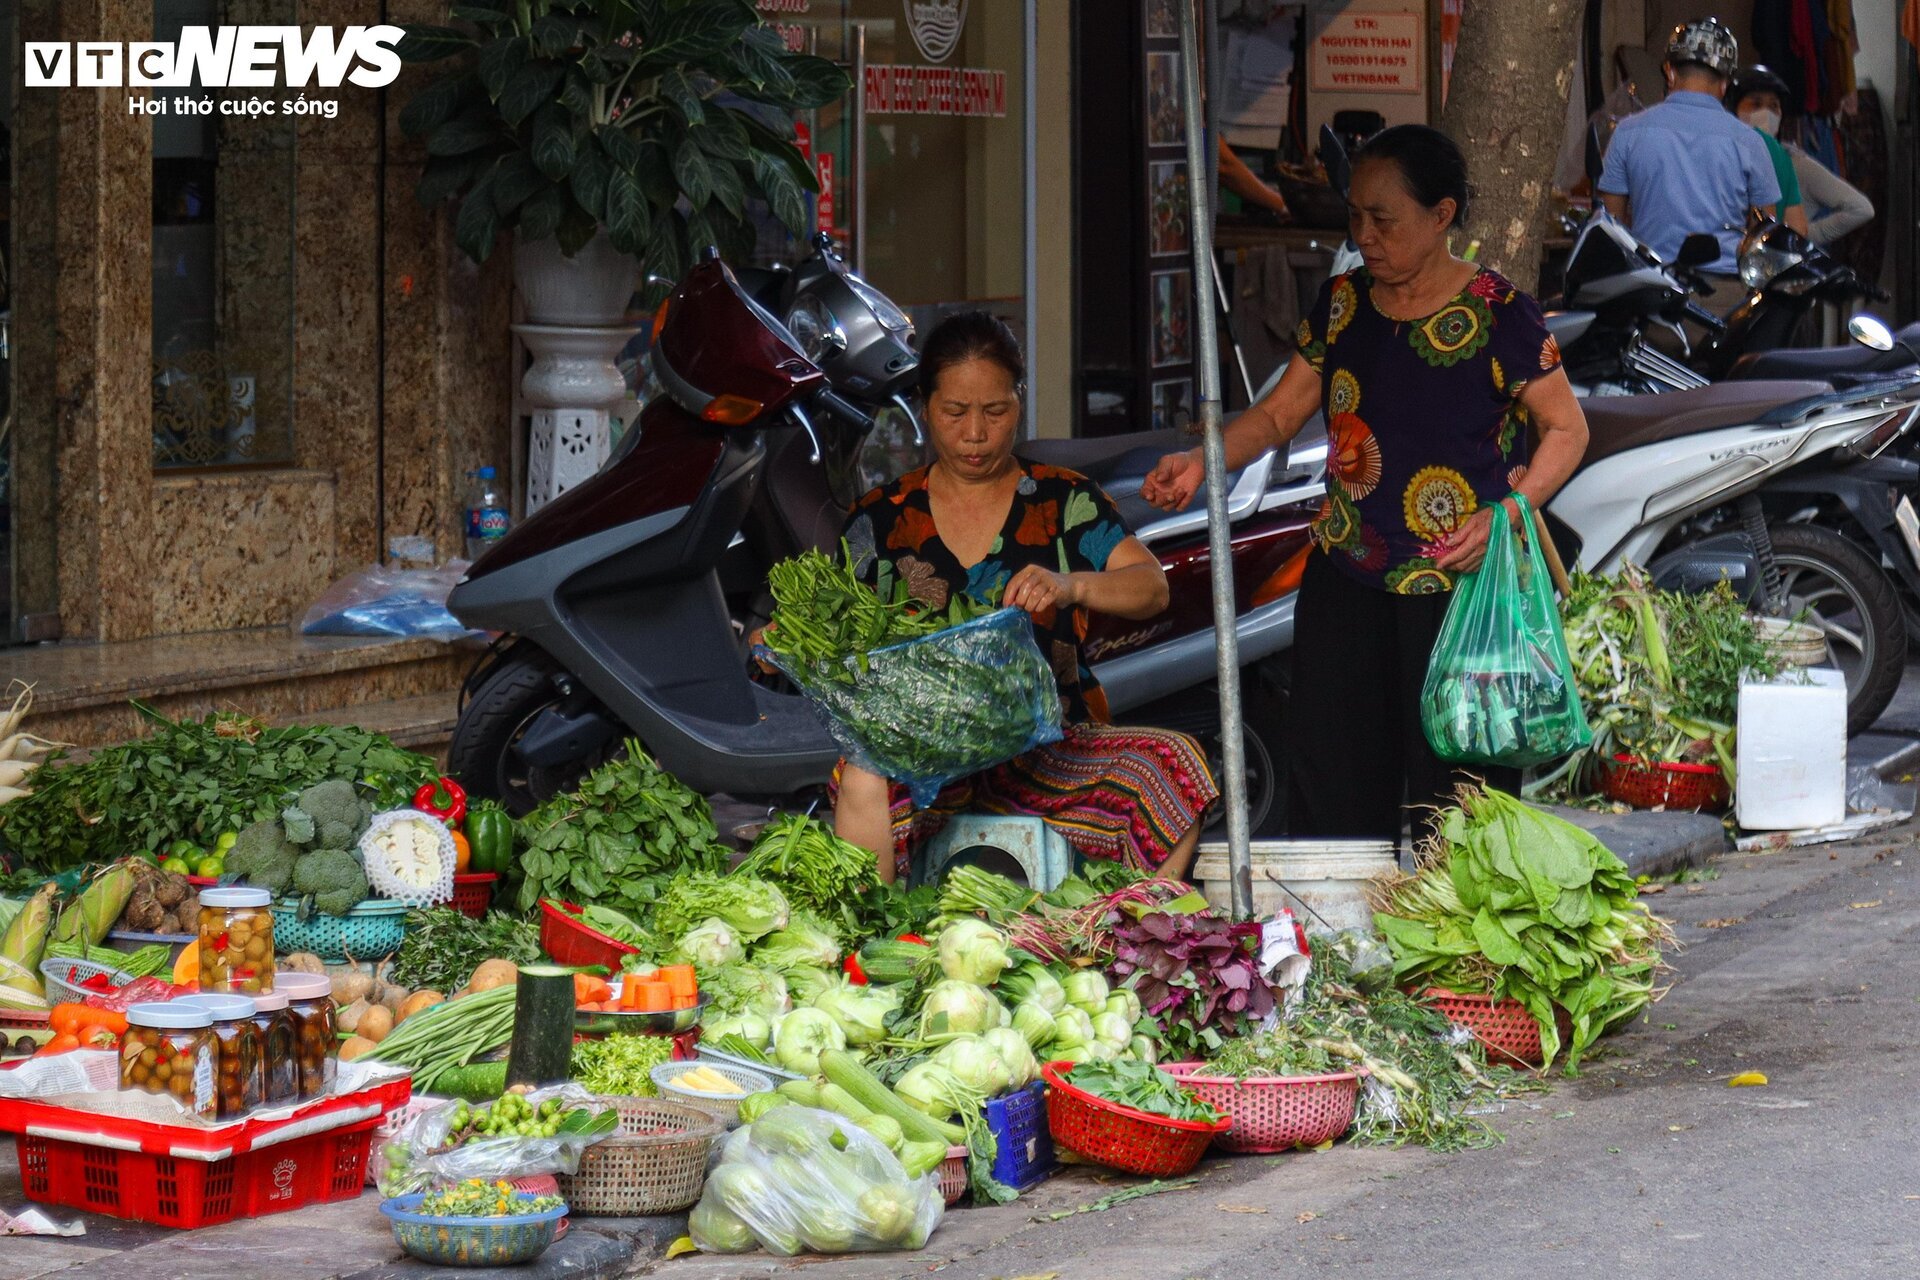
[443,947]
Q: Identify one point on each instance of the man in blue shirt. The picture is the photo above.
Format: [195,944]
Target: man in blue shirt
[1685,166]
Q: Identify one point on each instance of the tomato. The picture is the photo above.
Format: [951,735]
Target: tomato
[855,974]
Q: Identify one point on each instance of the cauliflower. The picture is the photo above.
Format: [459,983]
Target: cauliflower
[328,815]
[263,858]
[334,878]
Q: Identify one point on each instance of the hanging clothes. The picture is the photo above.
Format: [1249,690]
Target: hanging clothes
[1862,143]
[1845,44]
[1910,23]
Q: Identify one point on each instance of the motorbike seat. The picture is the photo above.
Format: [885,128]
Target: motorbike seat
[1616,424]
[1826,362]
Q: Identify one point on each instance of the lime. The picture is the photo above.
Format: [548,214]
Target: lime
[226,842]
[212,866]
[183,849]
[179,866]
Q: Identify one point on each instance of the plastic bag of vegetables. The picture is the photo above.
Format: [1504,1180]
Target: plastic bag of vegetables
[515,1136]
[802,1180]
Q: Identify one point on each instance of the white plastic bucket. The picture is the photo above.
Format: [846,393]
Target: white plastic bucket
[1792,754]
[1323,882]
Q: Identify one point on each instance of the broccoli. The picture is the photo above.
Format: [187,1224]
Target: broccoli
[328,815]
[334,878]
[263,858]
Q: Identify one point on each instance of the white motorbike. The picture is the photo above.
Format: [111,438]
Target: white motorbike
[1672,482]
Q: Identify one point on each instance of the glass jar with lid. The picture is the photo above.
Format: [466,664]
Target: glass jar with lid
[238,1083]
[279,1070]
[168,1049]
[315,1035]
[236,941]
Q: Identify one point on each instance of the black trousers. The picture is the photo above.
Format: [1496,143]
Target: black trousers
[1355,750]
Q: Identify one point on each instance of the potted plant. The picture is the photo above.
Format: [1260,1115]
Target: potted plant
[610,137]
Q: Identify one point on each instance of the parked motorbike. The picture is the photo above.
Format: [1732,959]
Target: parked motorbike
[626,602]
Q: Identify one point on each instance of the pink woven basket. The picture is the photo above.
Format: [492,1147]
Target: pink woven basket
[1509,1032]
[1275,1113]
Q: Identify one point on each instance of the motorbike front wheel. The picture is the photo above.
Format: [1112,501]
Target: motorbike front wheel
[483,752]
[1830,583]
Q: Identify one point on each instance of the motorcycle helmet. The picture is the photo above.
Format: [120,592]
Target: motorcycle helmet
[1757,79]
[1705,42]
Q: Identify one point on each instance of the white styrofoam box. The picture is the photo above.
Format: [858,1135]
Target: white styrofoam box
[1792,754]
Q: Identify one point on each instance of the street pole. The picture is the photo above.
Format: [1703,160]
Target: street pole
[1200,167]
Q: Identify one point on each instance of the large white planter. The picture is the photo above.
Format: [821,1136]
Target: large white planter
[1323,882]
[591,288]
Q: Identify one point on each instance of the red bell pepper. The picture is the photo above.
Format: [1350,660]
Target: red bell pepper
[855,974]
[911,937]
[445,800]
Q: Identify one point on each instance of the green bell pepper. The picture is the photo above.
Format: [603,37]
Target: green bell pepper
[489,832]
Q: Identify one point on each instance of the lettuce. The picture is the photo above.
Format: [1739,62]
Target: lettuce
[751,908]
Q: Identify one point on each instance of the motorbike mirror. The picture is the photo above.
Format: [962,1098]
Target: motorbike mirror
[1868,331]
[1697,250]
[1333,156]
[1594,163]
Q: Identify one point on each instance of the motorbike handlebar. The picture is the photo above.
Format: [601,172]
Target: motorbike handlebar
[1700,315]
[845,410]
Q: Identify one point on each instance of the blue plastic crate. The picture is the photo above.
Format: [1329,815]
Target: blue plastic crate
[1019,1124]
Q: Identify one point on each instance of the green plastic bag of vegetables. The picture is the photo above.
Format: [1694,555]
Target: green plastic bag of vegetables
[1499,688]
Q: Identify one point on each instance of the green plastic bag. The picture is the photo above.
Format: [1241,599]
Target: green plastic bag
[1500,689]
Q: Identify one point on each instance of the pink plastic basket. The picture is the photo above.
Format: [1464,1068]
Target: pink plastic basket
[1276,1113]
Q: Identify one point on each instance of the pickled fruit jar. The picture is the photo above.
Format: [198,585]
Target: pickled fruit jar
[278,1068]
[238,1083]
[236,941]
[316,1041]
[168,1049]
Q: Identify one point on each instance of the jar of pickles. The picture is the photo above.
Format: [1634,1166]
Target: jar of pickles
[315,1038]
[236,941]
[275,1025]
[168,1049]
[238,1083]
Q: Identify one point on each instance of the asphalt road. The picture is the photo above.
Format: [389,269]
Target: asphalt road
[1804,965]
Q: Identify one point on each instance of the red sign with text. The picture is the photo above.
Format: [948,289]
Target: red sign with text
[823,207]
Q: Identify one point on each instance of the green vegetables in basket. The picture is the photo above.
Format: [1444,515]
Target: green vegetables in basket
[823,612]
[478,1198]
[1141,1086]
[619,1066]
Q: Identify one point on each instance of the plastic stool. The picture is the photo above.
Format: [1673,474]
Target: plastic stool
[1042,853]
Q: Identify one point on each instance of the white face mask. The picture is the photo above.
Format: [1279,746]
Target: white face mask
[1767,122]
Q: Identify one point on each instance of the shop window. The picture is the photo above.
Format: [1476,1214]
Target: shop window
[223,218]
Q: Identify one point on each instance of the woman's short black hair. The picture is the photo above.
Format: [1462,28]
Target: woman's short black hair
[971,335]
[1430,163]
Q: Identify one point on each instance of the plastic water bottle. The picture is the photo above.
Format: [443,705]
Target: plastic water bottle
[486,513]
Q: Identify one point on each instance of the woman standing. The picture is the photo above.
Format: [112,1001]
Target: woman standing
[981,522]
[1443,396]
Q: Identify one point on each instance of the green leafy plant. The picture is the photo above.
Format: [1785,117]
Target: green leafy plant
[656,119]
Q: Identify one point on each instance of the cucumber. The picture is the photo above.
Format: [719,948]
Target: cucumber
[481,1082]
[542,1047]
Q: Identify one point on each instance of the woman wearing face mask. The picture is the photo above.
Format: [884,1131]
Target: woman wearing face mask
[981,522]
[1756,95]
[1444,397]
[1759,97]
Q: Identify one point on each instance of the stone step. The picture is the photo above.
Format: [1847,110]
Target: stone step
[82,693]
[423,723]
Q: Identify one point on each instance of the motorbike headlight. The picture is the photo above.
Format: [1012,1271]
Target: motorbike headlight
[890,316]
[1760,263]
[814,327]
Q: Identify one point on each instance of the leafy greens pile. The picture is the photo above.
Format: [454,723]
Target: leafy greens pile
[443,946]
[823,614]
[1515,902]
[1658,671]
[619,840]
[1194,976]
[1142,1086]
[816,869]
[194,780]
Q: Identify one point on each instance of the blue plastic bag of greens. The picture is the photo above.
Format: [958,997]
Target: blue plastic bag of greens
[1500,688]
[927,711]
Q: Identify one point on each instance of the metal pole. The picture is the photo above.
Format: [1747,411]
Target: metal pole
[859,148]
[1200,169]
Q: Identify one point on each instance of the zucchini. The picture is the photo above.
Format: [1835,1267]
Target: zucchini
[922,1158]
[887,1129]
[845,1070]
[542,1047]
[886,962]
[804,1092]
[480,1082]
[839,1101]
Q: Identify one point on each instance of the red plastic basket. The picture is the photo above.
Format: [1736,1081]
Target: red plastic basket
[953,1175]
[1505,1027]
[473,892]
[1646,785]
[1121,1137]
[1275,1113]
[571,943]
[176,1191]
[29,1019]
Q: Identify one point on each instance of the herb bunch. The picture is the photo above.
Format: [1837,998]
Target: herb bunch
[443,946]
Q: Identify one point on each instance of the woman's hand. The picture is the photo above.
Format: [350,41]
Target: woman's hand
[1467,545]
[1036,590]
[1172,484]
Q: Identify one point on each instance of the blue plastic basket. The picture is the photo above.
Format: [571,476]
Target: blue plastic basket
[471,1242]
[373,930]
[1019,1124]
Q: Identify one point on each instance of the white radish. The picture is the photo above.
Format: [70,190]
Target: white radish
[27,746]
[9,794]
[14,772]
[22,703]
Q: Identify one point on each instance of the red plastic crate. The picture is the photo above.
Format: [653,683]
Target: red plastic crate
[1675,787]
[176,1191]
[473,892]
